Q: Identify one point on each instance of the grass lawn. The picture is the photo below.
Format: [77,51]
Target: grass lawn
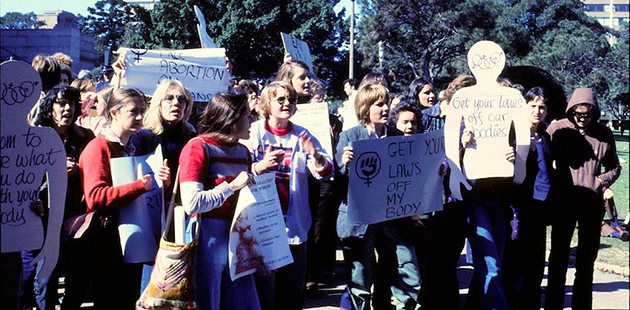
[613,251]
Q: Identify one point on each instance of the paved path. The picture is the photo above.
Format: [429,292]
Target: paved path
[610,291]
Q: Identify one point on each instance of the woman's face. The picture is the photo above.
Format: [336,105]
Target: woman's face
[101,104]
[129,117]
[537,110]
[252,99]
[426,96]
[88,98]
[379,111]
[242,126]
[301,81]
[282,106]
[62,113]
[173,105]
[407,123]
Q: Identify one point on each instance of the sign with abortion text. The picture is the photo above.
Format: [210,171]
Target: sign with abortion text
[201,70]
[314,117]
[395,177]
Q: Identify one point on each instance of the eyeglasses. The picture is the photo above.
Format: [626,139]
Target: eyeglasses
[282,99]
[583,115]
[180,98]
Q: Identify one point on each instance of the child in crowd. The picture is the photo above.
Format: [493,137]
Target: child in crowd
[213,167]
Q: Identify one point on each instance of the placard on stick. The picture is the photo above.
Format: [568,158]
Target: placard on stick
[29,155]
[201,70]
[298,49]
[491,112]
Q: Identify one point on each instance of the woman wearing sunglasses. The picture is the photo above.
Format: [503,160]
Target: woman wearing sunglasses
[288,150]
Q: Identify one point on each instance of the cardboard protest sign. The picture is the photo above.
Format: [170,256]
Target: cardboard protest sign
[314,117]
[491,112]
[29,156]
[201,70]
[395,177]
[140,222]
[258,234]
[299,50]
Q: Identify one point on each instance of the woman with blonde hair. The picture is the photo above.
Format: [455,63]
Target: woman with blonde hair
[166,122]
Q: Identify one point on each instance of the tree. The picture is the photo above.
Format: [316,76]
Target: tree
[107,21]
[17,20]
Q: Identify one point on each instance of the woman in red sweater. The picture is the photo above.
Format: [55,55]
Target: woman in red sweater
[116,284]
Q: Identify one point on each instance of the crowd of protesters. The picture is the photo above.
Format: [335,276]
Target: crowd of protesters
[245,131]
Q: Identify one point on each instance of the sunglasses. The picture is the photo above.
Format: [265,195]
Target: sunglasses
[170,98]
[282,99]
[583,115]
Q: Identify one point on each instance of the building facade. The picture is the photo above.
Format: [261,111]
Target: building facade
[609,13]
[60,34]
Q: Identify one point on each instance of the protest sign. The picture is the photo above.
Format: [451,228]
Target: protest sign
[314,117]
[395,177]
[491,112]
[204,38]
[201,70]
[298,49]
[258,234]
[30,156]
[140,222]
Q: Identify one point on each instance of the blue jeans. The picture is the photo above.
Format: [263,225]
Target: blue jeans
[214,285]
[44,289]
[394,248]
[487,233]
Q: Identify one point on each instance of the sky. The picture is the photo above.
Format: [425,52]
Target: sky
[80,6]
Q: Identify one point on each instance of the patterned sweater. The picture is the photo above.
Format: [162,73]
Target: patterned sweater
[207,166]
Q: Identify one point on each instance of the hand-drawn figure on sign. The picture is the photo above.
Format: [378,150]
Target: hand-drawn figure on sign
[491,118]
[368,166]
[29,155]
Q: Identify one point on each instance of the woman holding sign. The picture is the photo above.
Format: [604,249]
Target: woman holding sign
[289,151]
[213,167]
[116,284]
[392,239]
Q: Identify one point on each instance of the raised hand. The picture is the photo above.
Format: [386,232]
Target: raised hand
[368,166]
[271,160]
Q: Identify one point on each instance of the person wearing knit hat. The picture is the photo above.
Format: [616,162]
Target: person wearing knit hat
[586,162]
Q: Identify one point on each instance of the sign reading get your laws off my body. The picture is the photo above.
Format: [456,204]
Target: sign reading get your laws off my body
[395,177]
[201,70]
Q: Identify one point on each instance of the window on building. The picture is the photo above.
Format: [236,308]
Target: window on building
[594,7]
[621,7]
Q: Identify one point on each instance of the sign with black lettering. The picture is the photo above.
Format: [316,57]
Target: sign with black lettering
[395,177]
[201,70]
[29,156]
[490,112]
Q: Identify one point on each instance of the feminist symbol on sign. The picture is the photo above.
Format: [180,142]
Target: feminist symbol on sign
[368,166]
[138,53]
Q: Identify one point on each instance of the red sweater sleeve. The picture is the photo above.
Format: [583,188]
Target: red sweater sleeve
[97,179]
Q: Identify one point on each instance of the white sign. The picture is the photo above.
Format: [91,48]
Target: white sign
[314,117]
[201,70]
[258,234]
[395,177]
[29,154]
[139,223]
[298,49]
[489,111]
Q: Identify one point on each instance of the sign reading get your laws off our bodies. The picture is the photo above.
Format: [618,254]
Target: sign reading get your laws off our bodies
[201,70]
[395,177]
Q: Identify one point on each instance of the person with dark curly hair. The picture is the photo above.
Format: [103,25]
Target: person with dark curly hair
[59,109]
